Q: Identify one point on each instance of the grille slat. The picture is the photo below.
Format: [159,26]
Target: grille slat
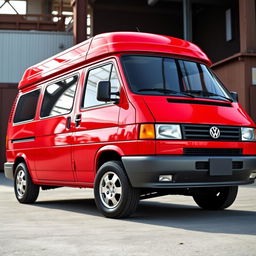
[202,132]
[201,135]
[234,132]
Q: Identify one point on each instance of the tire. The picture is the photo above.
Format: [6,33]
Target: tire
[25,190]
[114,196]
[218,198]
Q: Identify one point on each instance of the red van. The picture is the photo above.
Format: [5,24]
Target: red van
[134,116]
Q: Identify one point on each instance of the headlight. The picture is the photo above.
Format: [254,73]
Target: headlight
[168,131]
[248,134]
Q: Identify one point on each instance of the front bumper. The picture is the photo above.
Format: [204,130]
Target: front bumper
[188,171]
[8,170]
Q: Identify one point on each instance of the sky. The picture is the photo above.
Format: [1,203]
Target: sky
[20,6]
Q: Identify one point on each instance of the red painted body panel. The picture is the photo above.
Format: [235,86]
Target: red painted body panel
[19,148]
[196,113]
[167,147]
[143,42]
[55,65]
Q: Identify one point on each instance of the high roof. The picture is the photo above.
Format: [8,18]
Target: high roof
[107,44]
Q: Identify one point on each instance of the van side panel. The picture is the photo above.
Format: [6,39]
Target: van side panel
[21,144]
[53,150]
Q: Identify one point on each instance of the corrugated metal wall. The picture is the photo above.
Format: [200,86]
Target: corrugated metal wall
[21,49]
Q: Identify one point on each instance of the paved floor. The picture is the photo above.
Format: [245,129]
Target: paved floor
[66,222]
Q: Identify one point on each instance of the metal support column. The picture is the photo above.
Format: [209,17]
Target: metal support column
[80,20]
[247,19]
[187,20]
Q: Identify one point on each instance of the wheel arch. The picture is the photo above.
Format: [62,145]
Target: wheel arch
[22,158]
[105,154]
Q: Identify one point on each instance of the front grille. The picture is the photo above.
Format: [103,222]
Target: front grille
[236,165]
[213,151]
[202,132]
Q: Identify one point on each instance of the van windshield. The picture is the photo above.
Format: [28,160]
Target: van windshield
[154,75]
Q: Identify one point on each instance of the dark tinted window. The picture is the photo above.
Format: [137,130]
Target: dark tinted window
[26,107]
[143,72]
[103,73]
[172,74]
[162,75]
[59,97]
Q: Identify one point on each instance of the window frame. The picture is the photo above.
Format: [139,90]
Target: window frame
[54,82]
[16,107]
[92,67]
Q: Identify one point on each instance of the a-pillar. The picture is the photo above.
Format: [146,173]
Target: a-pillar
[80,20]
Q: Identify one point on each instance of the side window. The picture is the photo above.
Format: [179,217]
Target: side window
[26,107]
[59,97]
[103,73]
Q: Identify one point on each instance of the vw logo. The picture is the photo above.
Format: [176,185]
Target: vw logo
[215,132]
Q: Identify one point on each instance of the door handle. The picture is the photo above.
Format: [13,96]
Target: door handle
[78,120]
[68,123]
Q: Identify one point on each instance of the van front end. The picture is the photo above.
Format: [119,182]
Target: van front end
[190,164]
[203,137]
[207,168]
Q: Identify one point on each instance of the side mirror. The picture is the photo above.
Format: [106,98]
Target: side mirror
[234,96]
[104,92]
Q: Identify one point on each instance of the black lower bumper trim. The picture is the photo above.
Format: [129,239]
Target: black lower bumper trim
[144,171]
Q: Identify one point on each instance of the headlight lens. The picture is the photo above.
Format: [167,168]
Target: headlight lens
[248,134]
[168,131]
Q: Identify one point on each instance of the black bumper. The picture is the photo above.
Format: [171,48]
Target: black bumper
[189,171]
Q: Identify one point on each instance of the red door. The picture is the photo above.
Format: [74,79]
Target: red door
[54,131]
[97,122]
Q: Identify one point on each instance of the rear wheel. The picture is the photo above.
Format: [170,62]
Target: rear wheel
[215,198]
[25,190]
[114,196]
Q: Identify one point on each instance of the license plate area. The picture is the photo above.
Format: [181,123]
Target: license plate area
[220,166]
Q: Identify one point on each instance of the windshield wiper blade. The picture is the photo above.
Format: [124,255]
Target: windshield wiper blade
[165,91]
[157,90]
[205,93]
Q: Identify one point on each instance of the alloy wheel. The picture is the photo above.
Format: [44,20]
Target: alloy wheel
[110,190]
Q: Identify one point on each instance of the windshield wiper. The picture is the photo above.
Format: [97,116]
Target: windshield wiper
[166,91]
[157,90]
[205,93]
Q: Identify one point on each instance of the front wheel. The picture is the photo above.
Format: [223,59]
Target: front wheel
[114,196]
[215,198]
[25,190]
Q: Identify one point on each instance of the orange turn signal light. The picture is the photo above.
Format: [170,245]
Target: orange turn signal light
[6,142]
[147,132]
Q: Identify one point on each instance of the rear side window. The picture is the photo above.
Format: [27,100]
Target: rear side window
[59,97]
[26,107]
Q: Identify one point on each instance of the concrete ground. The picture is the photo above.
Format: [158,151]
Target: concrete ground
[65,221]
